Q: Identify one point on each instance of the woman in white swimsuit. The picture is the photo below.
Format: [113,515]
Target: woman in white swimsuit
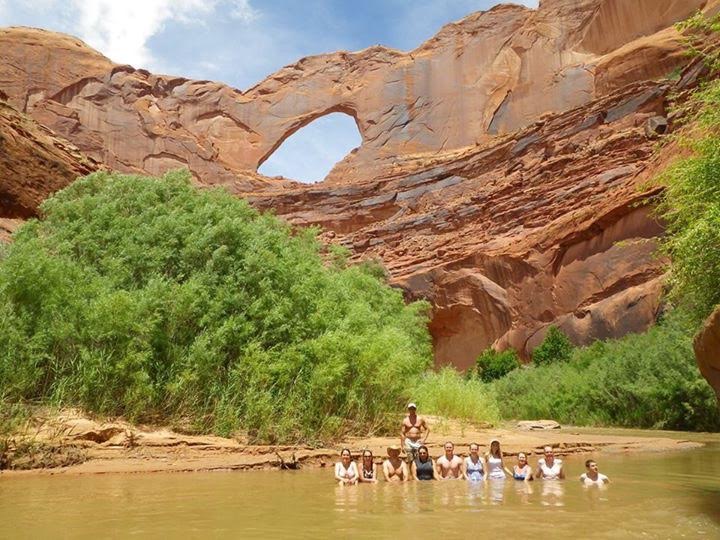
[346,472]
[495,467]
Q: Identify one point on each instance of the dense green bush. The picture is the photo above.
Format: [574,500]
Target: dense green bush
[556,347]
[691,209]
[446,393]
[154,300]
[647,380]
[491,365]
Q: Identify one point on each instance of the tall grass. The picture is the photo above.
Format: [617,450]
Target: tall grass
[447,393]
[151,299]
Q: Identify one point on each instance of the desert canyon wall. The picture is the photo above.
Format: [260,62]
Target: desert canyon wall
[500,169]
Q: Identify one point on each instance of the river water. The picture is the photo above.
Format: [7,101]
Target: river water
[663,495]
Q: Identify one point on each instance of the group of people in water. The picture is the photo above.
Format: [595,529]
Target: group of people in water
[450,466]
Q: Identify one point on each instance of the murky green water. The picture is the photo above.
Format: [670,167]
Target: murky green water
[674,495]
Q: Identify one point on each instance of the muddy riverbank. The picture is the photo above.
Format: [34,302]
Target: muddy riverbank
[69,443]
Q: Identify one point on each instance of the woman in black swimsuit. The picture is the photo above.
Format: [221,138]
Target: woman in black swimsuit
[423,468]
[368,471]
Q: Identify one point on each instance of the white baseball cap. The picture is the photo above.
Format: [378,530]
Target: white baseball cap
[411,405]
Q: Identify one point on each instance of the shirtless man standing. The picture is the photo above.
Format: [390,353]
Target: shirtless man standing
[411,434]
[449,466]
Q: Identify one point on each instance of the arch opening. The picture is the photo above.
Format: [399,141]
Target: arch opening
[309,153]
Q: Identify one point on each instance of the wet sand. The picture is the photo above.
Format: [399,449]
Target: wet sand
[119,447]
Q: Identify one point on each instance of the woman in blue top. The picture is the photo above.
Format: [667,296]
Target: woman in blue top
[522,471]
[474,465]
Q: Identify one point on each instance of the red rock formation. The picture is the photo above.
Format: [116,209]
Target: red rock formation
[34,163]
[498,174]
[490,73]
[707,350]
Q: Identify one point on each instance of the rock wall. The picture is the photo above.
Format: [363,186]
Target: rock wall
[499,169]
[707,350]
[491,73]
[34,163]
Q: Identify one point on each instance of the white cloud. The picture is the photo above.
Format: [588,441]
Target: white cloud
[243,11]
[121,29]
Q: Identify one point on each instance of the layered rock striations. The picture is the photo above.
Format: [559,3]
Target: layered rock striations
[488,74]
[34,163]
[500,169]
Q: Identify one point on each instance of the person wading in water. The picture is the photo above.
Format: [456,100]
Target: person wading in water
[449,466]
[394,468]
[414,432]
[423,467]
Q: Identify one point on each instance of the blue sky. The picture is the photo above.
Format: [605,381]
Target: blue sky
[239,42]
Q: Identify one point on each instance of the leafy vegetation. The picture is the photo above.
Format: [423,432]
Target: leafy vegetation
[446,393]
[698,29]
[555,347]
[691,209]
[160,302]
[646,380]
[492,365]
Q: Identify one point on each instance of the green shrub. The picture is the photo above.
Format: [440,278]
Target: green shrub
[556,347]
[691,209]
[157,301]
[646,380]
[492,365]
[446,393]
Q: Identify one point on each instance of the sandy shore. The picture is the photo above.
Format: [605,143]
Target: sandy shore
[119,447]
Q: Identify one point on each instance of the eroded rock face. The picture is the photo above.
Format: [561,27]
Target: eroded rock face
[707,350]
[491,73]
[34,163]
[499,171]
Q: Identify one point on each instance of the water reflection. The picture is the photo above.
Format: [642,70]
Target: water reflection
[496,489]
[651,496]
[552,492]
[523,490]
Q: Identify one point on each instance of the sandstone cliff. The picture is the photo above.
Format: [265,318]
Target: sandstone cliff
[499,170]
[34,163]
[707,350]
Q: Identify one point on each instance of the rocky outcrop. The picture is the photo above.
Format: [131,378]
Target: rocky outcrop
[489,74]
[34,163]
[7,228]
[501,169]
[707,350]
[542,227]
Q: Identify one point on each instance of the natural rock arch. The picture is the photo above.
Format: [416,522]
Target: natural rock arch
[349,126]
